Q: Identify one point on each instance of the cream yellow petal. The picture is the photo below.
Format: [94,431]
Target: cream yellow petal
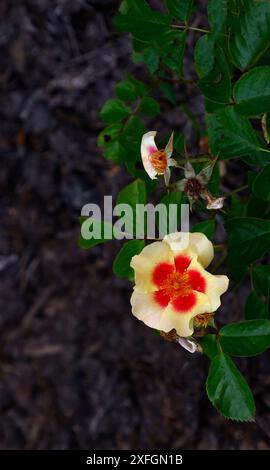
[216,285]
[183,322]
[148,146]
[203,247]
[196,242]
[144,264]
[178,241]
[185,243]
[146,309]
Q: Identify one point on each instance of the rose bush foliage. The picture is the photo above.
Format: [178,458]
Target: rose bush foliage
[232,64]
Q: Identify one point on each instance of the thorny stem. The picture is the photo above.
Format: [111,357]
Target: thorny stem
[189,28]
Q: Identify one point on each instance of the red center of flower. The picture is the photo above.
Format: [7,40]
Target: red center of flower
[177,284]
[159,161]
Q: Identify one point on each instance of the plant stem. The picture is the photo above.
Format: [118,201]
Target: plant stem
[250,268]
[177,80]
[199,159]
[220,247]
[237,190]
[265,130]
[220,262]
[189,28]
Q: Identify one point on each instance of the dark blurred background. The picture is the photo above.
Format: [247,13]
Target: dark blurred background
[77,370]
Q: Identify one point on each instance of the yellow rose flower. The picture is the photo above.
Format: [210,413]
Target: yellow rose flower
[171,284]
[156,162]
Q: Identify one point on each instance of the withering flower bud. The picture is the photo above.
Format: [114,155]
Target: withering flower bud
[194,186]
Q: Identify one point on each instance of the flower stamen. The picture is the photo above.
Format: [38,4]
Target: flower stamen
[159,161]
[176,284]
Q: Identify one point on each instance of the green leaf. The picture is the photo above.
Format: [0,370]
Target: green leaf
[264,58]
[228,390]
[105,230]
[121,265]
[254,307]
[140,87]
[172,52]
[261,185]
[204,55]
[245,338]
[133,194]
[249,238]
[231,135]
[143,22]
[114,110]
[176,198]
[235,9]
[216,85]
[208,227]
[141,175]
[149,106]
[151,57]
[179,142]
[147,53]
[252,92]
[251,35]
[180,9]
[138,6]
[261,278]
[237,271]
[115,152]
[256,207]
[168,92]
[109,140]
[212,107]
[214,182]
[237,208]
[126,90]
[209,345]
[110,133]
[217,12]
[130,138]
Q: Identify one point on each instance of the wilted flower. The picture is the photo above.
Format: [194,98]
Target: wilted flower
[195,186]
[189,344]
[172,286]
[214,203]
[156,162]
[203,320]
